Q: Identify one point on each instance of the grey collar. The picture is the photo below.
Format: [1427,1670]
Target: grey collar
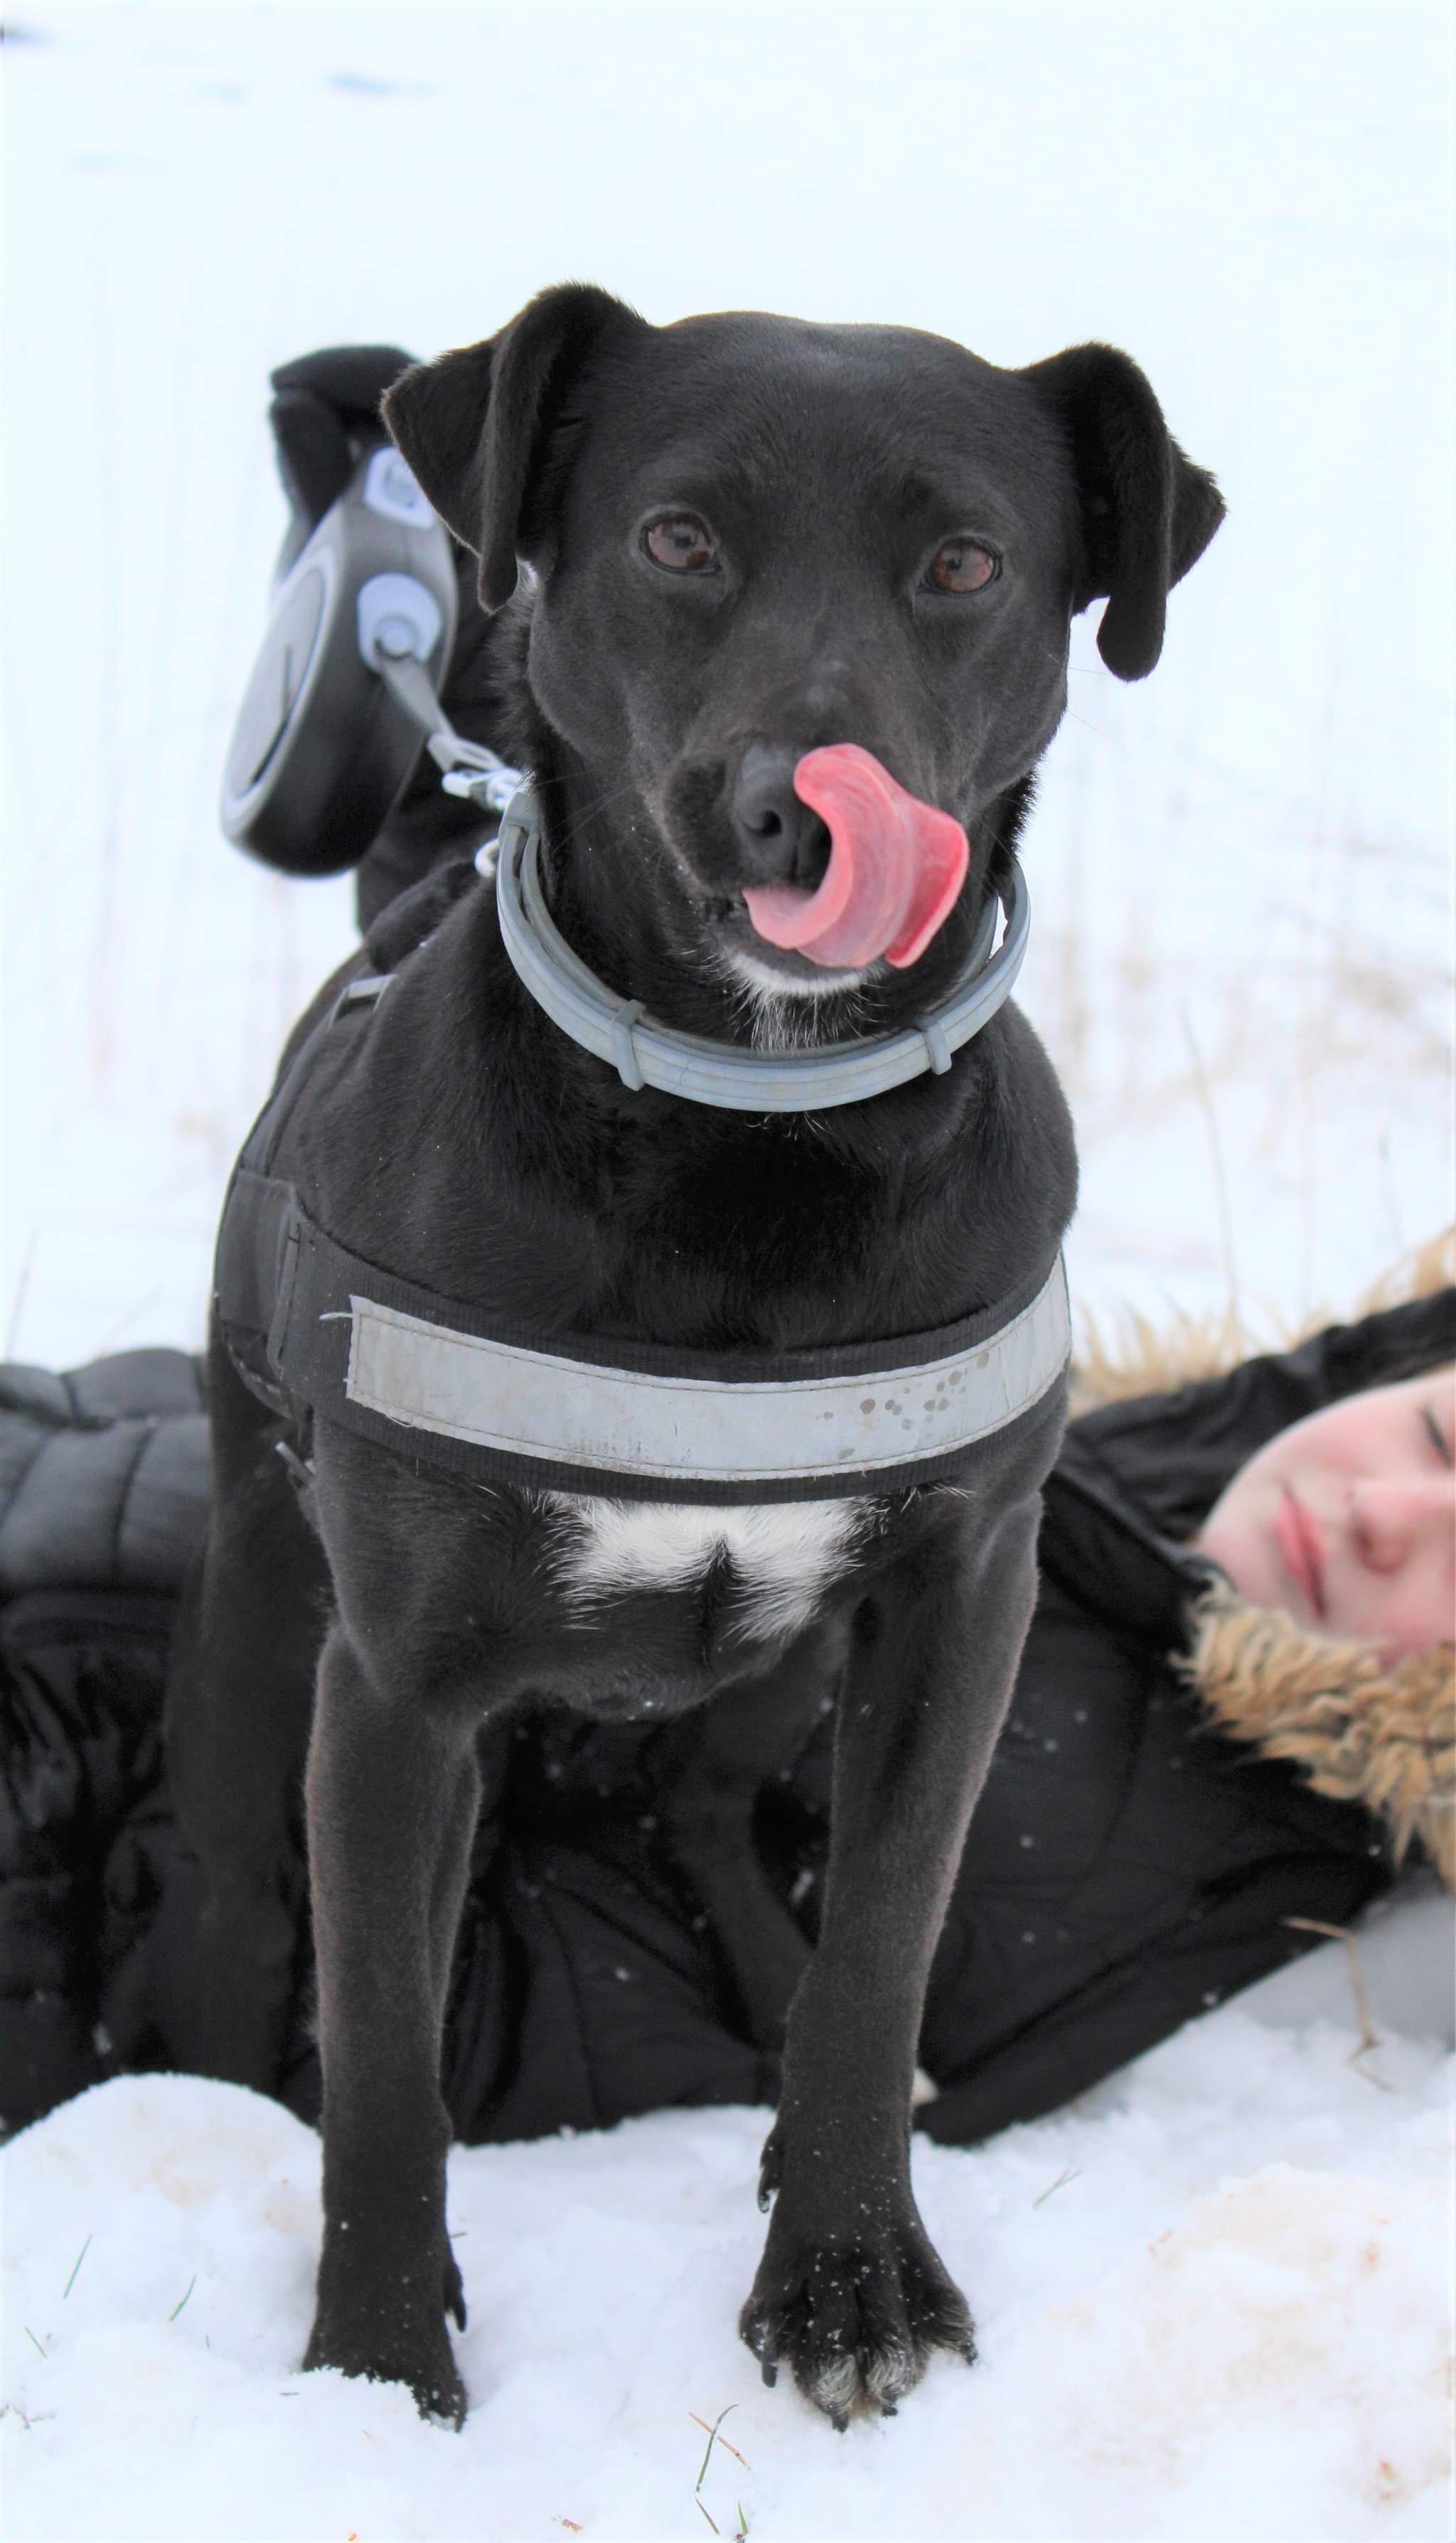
[644,1053]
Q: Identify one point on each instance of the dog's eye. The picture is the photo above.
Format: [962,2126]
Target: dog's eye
[961,566]
[682,543]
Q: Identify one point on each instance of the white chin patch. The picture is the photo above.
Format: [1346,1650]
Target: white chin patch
[784,1012]
[765,981]
[784,1555]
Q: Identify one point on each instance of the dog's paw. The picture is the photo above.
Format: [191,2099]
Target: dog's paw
[857,2323]
[415,2354]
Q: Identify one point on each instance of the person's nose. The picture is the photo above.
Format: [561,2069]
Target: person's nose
[1392,1523]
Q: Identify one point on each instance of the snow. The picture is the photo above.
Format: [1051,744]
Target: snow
[1214,2298]
[1212,2306]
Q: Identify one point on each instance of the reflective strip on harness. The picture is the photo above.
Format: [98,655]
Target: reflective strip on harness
[683,1430]
[313,1327]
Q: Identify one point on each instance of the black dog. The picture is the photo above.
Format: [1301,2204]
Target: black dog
[749,538]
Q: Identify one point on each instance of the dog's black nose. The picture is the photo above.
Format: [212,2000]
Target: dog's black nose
[779,838]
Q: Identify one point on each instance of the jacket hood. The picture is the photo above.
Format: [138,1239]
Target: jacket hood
[1359,1729]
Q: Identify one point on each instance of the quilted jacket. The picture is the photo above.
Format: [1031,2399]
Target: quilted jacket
[1179,1777]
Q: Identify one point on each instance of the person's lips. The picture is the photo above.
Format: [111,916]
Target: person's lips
[1301,1548]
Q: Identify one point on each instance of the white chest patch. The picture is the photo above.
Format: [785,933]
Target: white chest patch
[784,1554]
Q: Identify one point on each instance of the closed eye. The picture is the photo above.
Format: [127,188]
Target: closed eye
[1437,1435]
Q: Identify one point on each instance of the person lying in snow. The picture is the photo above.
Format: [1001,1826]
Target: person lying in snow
[1234,1712]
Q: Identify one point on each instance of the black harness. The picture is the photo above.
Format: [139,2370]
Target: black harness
[315,1329]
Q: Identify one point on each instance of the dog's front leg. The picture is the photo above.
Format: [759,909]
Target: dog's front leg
[850,2291]
[393,1796]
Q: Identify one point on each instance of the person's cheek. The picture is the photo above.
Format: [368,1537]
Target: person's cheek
[1414,1620]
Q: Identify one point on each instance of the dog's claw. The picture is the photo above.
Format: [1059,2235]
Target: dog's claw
[839,2419]
[770,2372]
[890,2410]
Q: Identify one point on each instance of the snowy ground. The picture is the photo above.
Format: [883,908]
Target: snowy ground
[1242,935]
[1215,2309]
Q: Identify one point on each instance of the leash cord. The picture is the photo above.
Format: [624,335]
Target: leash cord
[467,768]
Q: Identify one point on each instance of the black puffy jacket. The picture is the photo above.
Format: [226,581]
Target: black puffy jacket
[1126,1866]
[103,1490]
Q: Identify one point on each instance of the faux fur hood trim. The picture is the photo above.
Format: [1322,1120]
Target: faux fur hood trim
[1359,1729]
[1140,1357]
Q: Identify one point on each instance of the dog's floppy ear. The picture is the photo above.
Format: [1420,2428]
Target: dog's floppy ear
[1147,511]
[473,425]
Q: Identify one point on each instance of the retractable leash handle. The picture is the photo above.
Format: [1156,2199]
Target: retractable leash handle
[345,686]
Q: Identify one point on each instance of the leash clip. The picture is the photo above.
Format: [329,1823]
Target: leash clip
[467,768]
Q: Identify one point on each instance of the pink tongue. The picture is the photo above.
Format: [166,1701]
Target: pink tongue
[894,873]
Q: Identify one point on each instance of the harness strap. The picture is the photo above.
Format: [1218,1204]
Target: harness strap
[315,1328]
[392,1361]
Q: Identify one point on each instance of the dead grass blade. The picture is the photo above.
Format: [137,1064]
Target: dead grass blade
[1370,2036]
[723,2441]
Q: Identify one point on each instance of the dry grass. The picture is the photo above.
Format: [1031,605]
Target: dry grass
[1245,985]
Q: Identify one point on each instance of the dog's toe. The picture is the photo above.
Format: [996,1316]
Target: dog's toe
[833,2386]
[890,2369]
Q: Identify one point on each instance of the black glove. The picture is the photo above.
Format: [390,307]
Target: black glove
[324,414]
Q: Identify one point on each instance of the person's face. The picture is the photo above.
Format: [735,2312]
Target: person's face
[1348,1520]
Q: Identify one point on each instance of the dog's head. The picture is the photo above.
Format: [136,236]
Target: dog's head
[750,539]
